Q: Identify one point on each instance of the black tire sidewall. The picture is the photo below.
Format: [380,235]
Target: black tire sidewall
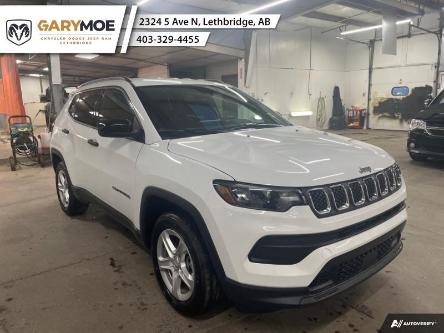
[202,284]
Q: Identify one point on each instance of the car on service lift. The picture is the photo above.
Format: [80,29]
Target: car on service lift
[226,193]
[426,134]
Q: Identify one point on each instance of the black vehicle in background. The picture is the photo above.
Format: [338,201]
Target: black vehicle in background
[426,135]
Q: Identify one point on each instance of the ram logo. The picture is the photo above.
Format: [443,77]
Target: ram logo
[18,31]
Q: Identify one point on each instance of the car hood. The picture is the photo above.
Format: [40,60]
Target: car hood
[284,156]
[433,113]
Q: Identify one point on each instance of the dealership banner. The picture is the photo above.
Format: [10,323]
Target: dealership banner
[100,29]
[60,29]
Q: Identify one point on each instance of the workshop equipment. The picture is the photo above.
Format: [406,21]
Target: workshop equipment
[23,142]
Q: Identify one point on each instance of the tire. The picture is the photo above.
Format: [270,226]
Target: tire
[418,157]
[68,202]
[193,261]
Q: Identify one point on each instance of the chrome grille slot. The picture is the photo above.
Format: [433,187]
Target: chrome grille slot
[371,188]
[340,197]
[320,201]
[357,192]
[382,183]
[397,173]
[391,179]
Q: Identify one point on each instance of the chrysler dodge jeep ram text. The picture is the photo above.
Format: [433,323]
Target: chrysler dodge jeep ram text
[226,194]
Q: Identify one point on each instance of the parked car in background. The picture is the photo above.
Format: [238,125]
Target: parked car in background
[227,194]
[426,134]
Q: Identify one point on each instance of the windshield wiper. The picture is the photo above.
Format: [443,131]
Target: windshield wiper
[252,125]
[187,131]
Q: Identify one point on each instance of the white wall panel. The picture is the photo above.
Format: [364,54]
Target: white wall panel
[290,49]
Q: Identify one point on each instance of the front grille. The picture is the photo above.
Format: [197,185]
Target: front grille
[349,265]
[338,198]
[435,127]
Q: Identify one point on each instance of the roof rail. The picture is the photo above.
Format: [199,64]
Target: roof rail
[106,79]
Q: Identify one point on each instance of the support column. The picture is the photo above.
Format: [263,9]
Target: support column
[55,81]
[11,102]
[371,49]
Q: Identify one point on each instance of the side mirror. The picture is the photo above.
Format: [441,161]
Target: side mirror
[115,128]
[428,100]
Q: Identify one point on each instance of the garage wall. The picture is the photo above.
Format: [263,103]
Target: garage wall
[292,69]
[216,71]
[31,91]
[412,67]
[31,88]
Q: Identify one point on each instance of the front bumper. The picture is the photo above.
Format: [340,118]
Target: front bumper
[236,231]
[338,275]
[421,142]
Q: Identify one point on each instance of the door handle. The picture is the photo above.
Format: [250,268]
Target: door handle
[66,131]
[93,142]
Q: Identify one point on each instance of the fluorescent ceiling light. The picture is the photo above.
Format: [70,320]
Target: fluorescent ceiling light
[261,8]
[373,27]
[18,61]
[88,56]
[46,69]
[35,75]
[142,2]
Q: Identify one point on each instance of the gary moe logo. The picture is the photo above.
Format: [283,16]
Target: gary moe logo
[18,31]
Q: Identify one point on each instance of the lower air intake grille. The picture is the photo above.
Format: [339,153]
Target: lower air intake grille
[347,266]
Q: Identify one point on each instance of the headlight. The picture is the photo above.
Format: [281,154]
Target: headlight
[418,124]
[277,199]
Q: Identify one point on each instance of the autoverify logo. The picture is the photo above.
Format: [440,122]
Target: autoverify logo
[414,323]
[18,32]
[400,323]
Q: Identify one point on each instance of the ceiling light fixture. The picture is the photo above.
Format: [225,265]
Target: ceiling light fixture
[373,27]
[35,75]
[46,69]
[261,8]
[140,3]
[18,61]
[88,56]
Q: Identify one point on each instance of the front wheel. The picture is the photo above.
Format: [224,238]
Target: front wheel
[68,202]
[182,266]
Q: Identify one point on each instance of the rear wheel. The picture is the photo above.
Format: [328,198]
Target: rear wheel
[182,266]
[68,202]
[418,157]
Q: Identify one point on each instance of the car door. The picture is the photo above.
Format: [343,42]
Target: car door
[83,125]
[115,158]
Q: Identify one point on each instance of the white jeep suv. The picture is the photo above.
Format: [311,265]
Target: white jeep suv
[226,194]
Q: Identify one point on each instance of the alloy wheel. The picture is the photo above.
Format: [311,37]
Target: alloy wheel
[63,188]
[175,265]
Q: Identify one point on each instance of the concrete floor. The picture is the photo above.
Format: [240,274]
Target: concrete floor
[61,274]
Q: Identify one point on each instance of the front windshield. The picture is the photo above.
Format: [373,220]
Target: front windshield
[179,111]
